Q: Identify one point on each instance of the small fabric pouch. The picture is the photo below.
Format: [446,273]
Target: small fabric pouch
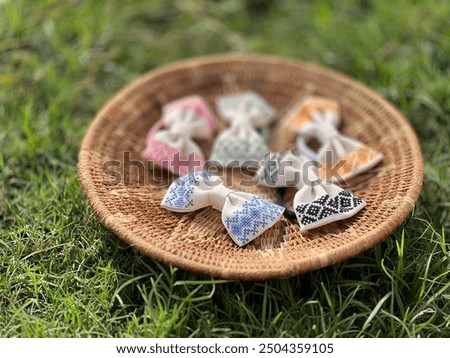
[241,144]
[170,142]
[244,215]
[341,157]
[316,202]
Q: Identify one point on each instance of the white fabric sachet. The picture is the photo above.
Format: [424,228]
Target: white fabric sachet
[341,157]
[316,202]
[241,144]
[170,142]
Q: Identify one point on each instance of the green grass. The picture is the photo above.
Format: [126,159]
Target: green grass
[62,273]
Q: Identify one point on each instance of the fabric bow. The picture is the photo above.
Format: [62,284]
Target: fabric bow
[316,202]
[302,112]
[342,157]
[355,156]
[241,142]
[172,147]
[244,215]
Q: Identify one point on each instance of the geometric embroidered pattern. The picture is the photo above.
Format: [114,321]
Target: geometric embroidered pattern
[244,215]
[363,158]
[180,192]
[226,150]
[304,113]
[324,208]
[254,217]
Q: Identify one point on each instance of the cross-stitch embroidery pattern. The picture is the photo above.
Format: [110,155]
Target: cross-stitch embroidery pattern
[241,142]
[302,112]
[228,149]
[256,214]
[244,215]
[180,195]
[325,208]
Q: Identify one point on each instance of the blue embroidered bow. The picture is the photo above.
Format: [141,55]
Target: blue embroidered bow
[244,215]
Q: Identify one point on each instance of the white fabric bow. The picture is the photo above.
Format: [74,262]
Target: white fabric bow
[170,142]
[244,215]
[241,143]
[301,112]
[342,157]
[316,202]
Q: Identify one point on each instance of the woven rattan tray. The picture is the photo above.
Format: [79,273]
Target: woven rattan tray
[125,191]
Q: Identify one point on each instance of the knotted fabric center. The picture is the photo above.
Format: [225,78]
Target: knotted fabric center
[218,195]
[185,127]
[325,132]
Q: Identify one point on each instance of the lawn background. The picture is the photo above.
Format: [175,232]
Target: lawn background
[62,273]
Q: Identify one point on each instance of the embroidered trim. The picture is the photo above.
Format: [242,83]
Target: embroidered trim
[226,150]
[256,215]
[328,209]
[181,191]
